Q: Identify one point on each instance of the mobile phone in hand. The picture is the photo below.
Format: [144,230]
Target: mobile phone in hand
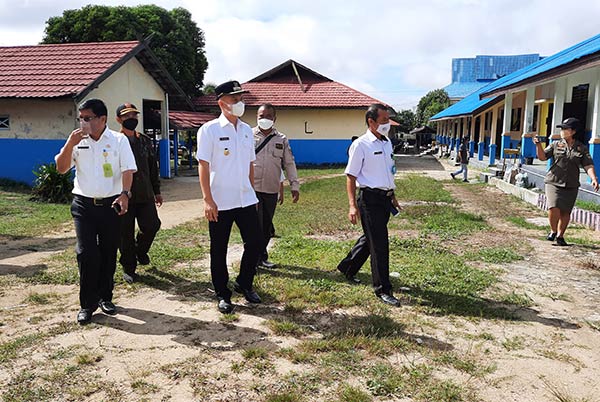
[117,207]
[393,210]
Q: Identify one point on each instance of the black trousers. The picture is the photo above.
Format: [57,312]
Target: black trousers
[97,228]
[246,220]
[132,245]
[266,210]
[374,215]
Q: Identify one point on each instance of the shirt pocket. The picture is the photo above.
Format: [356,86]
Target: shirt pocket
[278,150]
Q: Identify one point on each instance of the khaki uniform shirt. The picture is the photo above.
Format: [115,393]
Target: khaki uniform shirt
[276,155]
[564,172]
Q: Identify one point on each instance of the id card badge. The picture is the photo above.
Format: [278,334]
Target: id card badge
[393,169]
[107,169]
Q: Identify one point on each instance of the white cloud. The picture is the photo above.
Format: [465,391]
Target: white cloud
[394,50]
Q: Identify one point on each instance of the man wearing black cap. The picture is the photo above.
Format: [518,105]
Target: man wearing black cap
[145,196]
[225,163]
[562,179]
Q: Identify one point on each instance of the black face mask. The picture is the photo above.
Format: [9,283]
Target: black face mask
[130,124]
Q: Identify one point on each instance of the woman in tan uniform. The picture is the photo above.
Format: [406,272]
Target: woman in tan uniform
[562,180]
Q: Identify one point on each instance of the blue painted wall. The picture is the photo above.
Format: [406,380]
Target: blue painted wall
[20,157]
[320,151]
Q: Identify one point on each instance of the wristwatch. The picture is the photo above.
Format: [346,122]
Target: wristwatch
[127,193]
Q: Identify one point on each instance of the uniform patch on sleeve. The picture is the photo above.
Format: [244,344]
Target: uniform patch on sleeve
[279,146]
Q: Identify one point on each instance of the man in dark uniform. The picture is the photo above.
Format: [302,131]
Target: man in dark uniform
[371,164]
[104,167]
[145,196]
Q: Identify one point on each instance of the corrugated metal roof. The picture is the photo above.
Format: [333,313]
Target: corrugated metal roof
[465,107]
[485,67]
[463,89]
[573,53]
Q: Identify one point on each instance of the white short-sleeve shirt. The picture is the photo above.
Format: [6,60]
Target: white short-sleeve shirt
[229,153]
[91,159]
[371,161]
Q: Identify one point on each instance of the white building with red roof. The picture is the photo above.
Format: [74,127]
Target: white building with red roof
[317,114]
[41,87]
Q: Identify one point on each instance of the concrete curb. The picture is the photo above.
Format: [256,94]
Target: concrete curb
[578,215]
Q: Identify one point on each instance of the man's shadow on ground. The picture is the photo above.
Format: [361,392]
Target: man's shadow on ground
[185,330]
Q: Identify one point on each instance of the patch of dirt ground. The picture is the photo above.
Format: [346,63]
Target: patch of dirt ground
[152,348]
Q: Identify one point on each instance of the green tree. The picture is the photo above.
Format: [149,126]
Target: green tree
[209,88]
[407,120]
[432,103]
[176,39]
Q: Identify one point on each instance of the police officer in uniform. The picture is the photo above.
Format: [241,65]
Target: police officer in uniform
[372,166]
[272,153]
[562,179]
[145,196]
[225,163]
[104,167]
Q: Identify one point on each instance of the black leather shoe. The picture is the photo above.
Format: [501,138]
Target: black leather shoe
[353,279]
[389,299]
[85,316]
[143,259]
[551,236]
[225,306]
[249,294]
[267,264]
[130,278]
[560,241]
[108,307]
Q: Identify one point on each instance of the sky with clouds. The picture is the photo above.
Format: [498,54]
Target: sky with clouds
[395,51]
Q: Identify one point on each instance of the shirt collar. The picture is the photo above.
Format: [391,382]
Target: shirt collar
[256,130]
[223,121]
[372,137]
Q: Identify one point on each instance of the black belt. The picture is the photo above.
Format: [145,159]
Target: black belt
[378,191]
[97,202]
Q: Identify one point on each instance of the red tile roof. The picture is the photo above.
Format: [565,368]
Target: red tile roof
[48,71]
[185,120]
[281,87]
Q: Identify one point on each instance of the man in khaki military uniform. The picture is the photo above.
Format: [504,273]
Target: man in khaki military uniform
[273,153]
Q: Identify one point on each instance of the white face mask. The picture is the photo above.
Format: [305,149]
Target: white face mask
[237,109]
[384,129]
[265,124]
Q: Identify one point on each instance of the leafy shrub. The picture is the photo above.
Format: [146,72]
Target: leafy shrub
[51,185]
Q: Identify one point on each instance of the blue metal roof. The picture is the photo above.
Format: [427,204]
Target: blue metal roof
[465,106]
[582,49]
[463,89]
[483,67]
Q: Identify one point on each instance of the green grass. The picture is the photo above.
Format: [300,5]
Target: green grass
[445,222]
[11,349]
[588,205]
[522,223]
[20,217]
[421,188]
[285,327]
[317,172]
[494,255]
[40,298]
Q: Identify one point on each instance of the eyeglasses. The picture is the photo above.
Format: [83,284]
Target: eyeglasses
[87,119]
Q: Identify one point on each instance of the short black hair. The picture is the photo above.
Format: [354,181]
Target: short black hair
[95,105]
[373,112]
[270,107]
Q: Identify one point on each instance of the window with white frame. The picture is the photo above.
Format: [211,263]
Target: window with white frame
[4,123]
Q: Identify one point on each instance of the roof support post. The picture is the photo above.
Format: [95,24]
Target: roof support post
[527,145]
[595,140]
[493,133]
[560,92]
[506,123]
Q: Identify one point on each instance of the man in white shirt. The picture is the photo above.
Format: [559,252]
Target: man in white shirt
[104,166]
[225,163]
[371,164]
